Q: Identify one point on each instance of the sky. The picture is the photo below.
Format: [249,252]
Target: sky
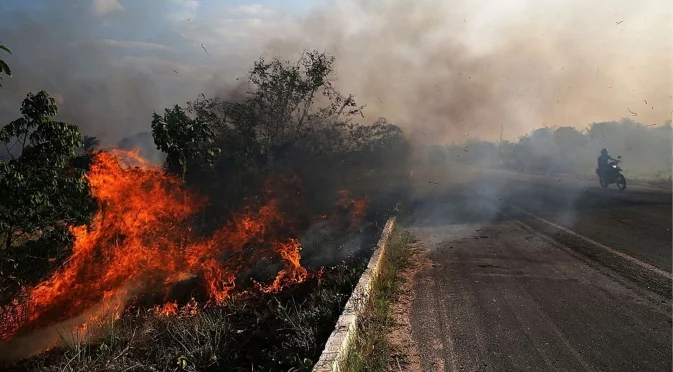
[443,70]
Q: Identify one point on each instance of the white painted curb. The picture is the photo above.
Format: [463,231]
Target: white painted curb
[342,336]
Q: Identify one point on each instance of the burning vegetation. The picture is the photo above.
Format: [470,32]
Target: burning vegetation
[260,199]
[141,241]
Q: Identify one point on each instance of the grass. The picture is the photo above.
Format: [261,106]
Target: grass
[285,331]
[371,349]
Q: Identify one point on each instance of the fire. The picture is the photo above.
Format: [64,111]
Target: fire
[356,208]
[167,309]
[293,272]
[141,241]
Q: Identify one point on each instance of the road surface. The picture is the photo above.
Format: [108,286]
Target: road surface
[534,273]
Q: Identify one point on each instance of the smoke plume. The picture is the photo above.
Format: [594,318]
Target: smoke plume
[453,69]
[442,70]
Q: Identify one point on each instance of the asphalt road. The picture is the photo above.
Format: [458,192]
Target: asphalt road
[534,273]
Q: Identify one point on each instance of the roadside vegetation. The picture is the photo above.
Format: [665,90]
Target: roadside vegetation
[280,332]
[371,349]
[290,124]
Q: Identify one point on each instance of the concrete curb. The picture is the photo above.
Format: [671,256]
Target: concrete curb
[342,336]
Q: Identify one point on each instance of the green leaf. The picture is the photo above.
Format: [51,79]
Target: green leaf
[43,185]
[5,49]
[4,68]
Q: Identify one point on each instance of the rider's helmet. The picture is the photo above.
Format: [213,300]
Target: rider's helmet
[604,151]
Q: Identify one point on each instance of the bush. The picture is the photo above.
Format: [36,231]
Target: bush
[291,122]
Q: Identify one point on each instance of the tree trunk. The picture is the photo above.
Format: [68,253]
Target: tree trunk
[183,161]
[8,239]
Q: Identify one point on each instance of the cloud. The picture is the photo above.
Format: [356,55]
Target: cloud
[133,44]
[103,7]
[107,85]
[256,10]
[240,33]
[168,69]
[182,10]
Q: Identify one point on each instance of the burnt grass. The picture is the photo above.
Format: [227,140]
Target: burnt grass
[257,332]
[284,331]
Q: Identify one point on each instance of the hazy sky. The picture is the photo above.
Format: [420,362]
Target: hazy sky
[441,69]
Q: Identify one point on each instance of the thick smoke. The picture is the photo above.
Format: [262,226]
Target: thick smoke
[453,69]
[646,150]
[443,70]
[108,88]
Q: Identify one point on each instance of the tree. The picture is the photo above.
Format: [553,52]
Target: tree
[4,68]
[377,144]
[285,98]
[183,139]
[291,120]
[41,193]
[90,143]
[86,153]
[286,103]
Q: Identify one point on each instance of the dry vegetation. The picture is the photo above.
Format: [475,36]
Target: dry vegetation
[372,350]
[235,154]
[272,333]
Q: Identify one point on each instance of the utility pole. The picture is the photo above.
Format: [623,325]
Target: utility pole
[500,145]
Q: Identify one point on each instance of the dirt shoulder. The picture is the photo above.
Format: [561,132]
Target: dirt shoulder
[405,351]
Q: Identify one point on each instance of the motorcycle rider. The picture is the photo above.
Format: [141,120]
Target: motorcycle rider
[603,160]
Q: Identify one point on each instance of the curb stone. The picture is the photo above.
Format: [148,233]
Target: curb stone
[344,332]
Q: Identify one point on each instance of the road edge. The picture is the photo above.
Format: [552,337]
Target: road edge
[340,340]
[619,265]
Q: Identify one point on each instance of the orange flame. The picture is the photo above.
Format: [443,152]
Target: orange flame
[357,207]
[167,309]
[293,272]
[140,240]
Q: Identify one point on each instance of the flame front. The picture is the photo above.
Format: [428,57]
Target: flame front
[141,240]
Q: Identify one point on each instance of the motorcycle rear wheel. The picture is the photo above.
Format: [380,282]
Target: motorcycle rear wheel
[621,182]
[603,182]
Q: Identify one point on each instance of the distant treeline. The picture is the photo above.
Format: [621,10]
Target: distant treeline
[646,150]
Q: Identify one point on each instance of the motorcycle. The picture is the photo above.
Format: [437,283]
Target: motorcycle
[612,175]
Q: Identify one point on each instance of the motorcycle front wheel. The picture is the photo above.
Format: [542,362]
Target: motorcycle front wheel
[621,182]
